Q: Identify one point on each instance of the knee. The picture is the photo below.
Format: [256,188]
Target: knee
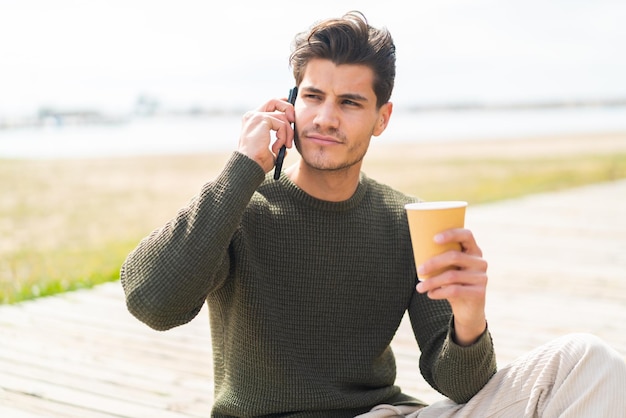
[584,341]
[584,345]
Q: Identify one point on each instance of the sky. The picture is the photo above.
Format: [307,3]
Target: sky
[104,54]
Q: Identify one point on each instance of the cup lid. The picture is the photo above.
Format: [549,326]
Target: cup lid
[441,204]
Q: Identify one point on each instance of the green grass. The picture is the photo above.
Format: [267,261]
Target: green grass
[488,180]
[35,273]
[70,224]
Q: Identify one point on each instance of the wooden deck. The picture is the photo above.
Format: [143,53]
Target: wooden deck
[557,265]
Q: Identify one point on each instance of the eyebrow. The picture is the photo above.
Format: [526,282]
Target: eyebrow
[346,96]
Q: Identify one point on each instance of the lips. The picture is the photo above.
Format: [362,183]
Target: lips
[323,139]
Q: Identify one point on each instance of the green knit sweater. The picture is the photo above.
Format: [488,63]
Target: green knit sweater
[304,296]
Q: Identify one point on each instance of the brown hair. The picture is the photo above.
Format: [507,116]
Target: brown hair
[349,40]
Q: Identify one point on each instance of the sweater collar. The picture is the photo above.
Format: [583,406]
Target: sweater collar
[325,205]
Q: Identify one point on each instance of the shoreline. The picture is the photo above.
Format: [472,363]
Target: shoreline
[514,147]
[219,134]
[390,147]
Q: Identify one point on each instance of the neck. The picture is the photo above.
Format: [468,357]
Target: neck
[329,185]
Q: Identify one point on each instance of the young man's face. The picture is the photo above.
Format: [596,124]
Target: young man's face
[336,115]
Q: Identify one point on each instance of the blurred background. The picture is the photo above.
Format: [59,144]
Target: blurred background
[138,77]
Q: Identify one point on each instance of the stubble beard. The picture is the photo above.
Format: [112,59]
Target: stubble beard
[321,158]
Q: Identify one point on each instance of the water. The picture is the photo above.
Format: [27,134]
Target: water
[506,124]
[137,137]
[168,135]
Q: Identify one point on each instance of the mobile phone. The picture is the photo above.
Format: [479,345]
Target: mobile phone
[293,93]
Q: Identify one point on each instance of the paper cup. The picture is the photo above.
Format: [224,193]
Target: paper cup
[427,219]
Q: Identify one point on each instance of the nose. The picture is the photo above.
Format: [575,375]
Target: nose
[327,115]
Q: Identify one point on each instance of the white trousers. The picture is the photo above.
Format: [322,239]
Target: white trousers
[574,376]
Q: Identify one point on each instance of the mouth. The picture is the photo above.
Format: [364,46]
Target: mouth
[323,139]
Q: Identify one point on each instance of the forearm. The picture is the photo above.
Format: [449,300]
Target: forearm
[467,333]
[456,371]
[461,372]
[168,276]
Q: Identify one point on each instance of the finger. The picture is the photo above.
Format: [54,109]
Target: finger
[281,108]
[457,292]
[257,126]
[455,260]
[284,136]
[453,277]
[279,105]
[463,236]
[271,106]
[256,136]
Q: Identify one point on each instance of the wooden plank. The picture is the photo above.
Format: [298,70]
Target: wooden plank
[91,401]
[14,404]
[51,351]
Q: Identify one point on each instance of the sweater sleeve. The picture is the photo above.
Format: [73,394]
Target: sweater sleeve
[463,371]
[455,371]
[168,276]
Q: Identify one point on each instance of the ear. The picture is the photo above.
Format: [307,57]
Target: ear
[384,113]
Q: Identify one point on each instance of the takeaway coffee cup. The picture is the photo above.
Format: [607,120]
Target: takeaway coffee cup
[427,219]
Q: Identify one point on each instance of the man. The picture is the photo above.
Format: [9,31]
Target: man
[308,277]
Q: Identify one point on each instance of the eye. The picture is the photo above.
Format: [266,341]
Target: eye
[311,96]
[350,103]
